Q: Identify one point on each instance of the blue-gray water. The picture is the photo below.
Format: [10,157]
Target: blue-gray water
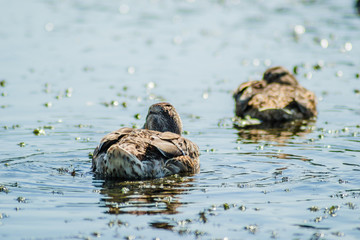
[67,67]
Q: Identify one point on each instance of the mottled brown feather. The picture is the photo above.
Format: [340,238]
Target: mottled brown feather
[276,98]
[167,150]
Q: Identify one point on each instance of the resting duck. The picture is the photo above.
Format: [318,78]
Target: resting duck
[158,150]
[278,97]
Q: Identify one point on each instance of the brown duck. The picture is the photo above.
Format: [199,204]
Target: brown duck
[156,151]
[278,97]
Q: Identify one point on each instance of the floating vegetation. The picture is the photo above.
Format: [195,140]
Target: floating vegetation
[351,205]
[21,200]
[96,234]
[88,69]
[137,116]
[47,88]
[118,223]
[3,215]
[341,181]
[317,236]
[244,122]
[48,104]
[68,92]
[83,126]
[57,192]
[332,210]
[314,209]
[254,183]
[296,69]
[242,208]
[14,126]
[82,139]
[202,217]
[112,103]
[318,66]
[62,170]
[226,206]
[338,234]
[210,150]
[124,190]
[4,189]
[130,237]
[251,228]
[39,131]
[193,116]
[3,83]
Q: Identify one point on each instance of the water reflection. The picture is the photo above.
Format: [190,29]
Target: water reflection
[278,133]
[159,196]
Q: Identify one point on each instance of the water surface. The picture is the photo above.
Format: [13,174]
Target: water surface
[75,70]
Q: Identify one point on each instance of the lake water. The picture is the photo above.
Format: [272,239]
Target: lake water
[72,71]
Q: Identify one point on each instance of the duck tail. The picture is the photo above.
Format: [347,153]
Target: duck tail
[181,164]
[119,163]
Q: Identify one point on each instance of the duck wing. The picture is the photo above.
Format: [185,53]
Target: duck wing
[172,145]
[187,161]
[274,96]
[109,139]
[271,103]
[147,145]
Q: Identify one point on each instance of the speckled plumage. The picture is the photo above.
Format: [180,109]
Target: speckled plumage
[278,97]
[147,153]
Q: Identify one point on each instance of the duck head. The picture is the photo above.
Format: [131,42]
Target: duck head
[163,117]
[279,75]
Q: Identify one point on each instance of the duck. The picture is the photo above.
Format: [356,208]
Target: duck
[157,150]
[277,98]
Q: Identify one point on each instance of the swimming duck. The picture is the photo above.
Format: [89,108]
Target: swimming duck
[157,150]
[278,97]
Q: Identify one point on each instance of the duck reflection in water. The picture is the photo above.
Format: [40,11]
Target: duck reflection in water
[151,197]
[280,134]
